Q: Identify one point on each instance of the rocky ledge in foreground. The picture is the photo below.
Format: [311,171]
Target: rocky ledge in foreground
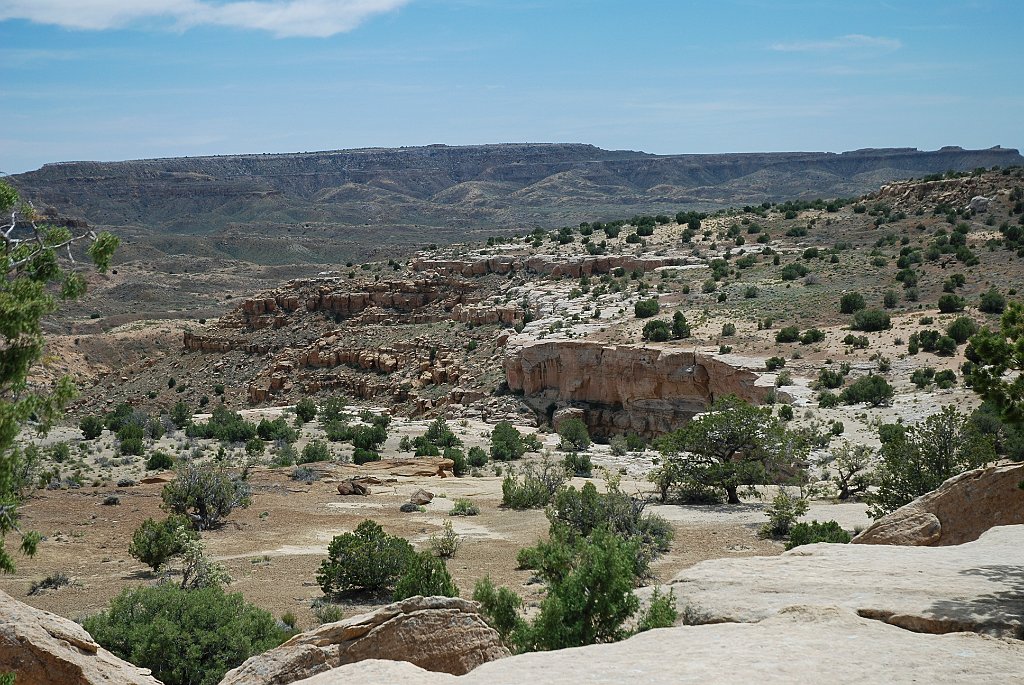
[42,648]
[798,645]
[974,587]
[436,633]
[959,511]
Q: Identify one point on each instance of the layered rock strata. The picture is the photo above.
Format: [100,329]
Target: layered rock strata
[625,388]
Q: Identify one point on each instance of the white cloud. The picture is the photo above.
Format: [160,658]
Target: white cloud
[282,18]
[853,41]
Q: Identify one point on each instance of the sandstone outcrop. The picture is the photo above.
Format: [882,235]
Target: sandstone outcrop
[799,645]
[973,587]
[572,267]
[41,648]
[958,511]
[621,388]
[443,634]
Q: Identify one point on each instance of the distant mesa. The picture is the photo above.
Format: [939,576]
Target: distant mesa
[439,193]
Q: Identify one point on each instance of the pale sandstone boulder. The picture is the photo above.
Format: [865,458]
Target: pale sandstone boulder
[41,648]
[973,587]
[958,511]
[443,634]
[799,645]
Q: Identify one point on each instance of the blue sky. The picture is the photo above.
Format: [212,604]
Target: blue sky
[124,79]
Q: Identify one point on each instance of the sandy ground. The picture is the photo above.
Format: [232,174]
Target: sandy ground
[273,549]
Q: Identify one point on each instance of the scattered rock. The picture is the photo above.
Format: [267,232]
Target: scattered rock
[799,645]
[353,486]
[435,633]
[41,648]
[421,497]
[958,511]
[972,587]
[979,204]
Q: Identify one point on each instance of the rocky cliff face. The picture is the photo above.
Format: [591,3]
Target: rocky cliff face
[623,388]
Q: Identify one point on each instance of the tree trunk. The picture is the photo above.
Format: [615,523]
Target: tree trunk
[731,491]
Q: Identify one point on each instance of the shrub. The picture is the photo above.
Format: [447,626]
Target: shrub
[857,342]
[890,299]
[305,475]
[829,379]
[425,575]
[91,426]
[441,435]
[827,400]
[477,457]
[361,456]
[185,637]
[54,581]
[464,507]
[578,464]
[961,329]
[506,444]
[582,511]
[155,543]
[951,303]
[871,320]
[851,302]
[811,335]
[459,464]
[680,326]
[255,447]
[316,450]
[728,329]
[305,409]
[646,308]
[181,417]
[945,346]
[992,302]
[793,271]
[873,390]
[447,543]
[574,435]
[424,448]
[810,533]
[782,514]
[204,493]
[787,334]
[535,488]
[224,425]
[159,461]
[368,438]
[590,591]
[367,560]
[656,330]
[786,413]
[278,429]
[500,608]
[921,457]
[774,363]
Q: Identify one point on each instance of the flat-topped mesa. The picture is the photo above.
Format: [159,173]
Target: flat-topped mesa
[625,388]
[557,266]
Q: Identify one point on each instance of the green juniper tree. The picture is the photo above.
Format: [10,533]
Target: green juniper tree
[39,269]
